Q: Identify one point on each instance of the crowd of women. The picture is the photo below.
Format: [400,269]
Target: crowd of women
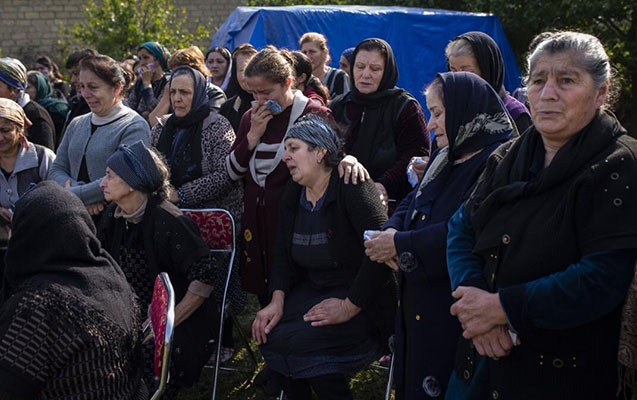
[496,244]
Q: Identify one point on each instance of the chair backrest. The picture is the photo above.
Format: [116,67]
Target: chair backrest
[162,318]
[216,225]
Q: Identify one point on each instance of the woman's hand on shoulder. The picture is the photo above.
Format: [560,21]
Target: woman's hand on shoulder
[350,168]
[331,311]
[267,318]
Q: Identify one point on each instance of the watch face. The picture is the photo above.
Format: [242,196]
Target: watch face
[407,261]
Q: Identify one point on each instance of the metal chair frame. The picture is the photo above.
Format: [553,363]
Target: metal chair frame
[168,335]
[224,306]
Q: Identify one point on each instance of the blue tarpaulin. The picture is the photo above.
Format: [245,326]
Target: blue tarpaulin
[418,36]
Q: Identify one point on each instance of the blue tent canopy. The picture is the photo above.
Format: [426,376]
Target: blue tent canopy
[418,36]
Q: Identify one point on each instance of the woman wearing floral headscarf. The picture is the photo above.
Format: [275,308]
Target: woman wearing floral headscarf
[469,122]
[386,125]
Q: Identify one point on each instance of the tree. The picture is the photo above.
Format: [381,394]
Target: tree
[118,27]
[613,22]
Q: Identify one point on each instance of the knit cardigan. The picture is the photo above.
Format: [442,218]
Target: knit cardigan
[78,143]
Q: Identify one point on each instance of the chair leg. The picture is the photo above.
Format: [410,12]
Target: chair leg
[281,395]
[244,338]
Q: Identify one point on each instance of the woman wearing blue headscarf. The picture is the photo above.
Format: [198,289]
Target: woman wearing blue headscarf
[469,121]
[146,235]
[152,77]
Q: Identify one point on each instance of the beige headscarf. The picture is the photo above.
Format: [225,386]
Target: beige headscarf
[12,111]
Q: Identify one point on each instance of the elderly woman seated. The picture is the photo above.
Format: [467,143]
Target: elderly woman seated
[68,319]
[147,235]
[324,317]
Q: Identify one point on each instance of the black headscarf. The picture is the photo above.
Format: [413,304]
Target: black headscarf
[387,85]
[475,118]
[53,242]
[180,140]
[488,56]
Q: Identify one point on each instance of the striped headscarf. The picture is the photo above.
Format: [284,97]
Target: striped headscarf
[13,73]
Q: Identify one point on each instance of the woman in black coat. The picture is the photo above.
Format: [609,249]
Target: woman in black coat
[469,122]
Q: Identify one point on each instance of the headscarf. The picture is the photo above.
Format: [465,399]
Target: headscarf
[387,84]
[475,118]
[315,130]
[349,55]
[225,53]
[489,57]
[159,52]
[73,256]
[180,139]
[12,111]
[44,96]
[137,167]
[13,73]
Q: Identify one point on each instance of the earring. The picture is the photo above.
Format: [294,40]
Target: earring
[130,190]
[318,160]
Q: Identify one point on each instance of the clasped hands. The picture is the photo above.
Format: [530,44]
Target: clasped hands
[483,321]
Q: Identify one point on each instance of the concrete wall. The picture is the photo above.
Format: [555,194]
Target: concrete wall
[29,28]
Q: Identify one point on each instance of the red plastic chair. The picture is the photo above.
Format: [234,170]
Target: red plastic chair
[218,230]
[162,318]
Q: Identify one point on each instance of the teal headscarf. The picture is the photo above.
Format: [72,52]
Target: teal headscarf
[44,96]
[159,52]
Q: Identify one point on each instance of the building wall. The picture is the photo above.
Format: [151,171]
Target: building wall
[29,28]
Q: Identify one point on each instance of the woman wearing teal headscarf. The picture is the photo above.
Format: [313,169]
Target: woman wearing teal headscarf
[40,90]
[152,76]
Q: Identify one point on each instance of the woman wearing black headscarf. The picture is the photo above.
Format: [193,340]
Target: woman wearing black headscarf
[147,235]
[195,142]
[477,52]
[68,319]
[469,122]
[386,125]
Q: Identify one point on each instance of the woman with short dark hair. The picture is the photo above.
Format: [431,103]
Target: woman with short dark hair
[91,138]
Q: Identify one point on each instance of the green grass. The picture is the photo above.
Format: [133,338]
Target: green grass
[366,385]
